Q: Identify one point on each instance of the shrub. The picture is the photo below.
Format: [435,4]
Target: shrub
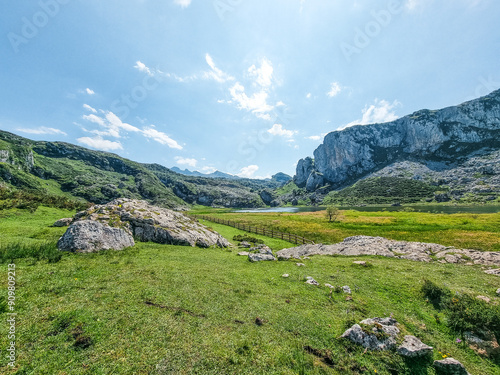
[435,294]
[38,251]
[246,238]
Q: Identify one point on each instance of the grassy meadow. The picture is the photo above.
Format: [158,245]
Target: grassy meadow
[158,309]
[463,230]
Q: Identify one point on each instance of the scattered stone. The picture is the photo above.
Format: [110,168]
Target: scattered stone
[260,257]
[346,289]
[417,251]
[360,262]
[265,250]
[306,258]
[413,347]
[493,272]
[285,275]
[311,281]
[88,236]
[450,366]
[376,334]
[243,253]
[300,264]
[484,298]
[245,245]
[63,222]
[259,321]
[330,286]
[348,298]
[486,345]
[498,291]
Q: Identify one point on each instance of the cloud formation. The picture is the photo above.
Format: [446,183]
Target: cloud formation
[161,138]
[248,172]
[279,130]
[41,130]
[335,89]
[99,143]
[215,73]
[379,112]
[183,3]
[186,161]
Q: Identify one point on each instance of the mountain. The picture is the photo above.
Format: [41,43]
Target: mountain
[455,148]
[59,169]
[216,174]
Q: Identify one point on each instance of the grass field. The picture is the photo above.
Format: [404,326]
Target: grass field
[157,309]
[473,231]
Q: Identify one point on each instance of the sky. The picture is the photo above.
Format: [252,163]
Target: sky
[247,87]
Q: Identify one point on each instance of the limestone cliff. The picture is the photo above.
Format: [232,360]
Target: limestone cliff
[447,136]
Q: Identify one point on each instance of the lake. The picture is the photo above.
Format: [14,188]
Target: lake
[427,208]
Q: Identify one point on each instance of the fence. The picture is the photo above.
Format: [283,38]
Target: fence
[258,230]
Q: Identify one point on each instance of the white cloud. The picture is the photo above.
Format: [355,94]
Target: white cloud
[264,74]
[42,130]
[89,108]
[185,161]
[100,143]
[257,103]
[380,112]
[314,137]
[183,3]
[161,137]
[248,172]
[278,130]
[143,68]
[114,122]
[95,119]
[216,74]
[308,96]
[335,89]
[89,91]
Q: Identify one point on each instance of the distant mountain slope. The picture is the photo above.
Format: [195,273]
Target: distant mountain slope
[216,174]
[63,169]
[439,141]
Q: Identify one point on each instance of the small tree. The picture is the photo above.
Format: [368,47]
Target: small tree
[332,213]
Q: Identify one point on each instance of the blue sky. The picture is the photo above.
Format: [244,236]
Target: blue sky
[247,87]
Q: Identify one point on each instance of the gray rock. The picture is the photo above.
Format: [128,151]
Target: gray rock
[88,236]
[413,347]
[346,289]
[304,169]
[300,264]
[260,257]
[311,281]
[450,366]
[360,262]
[376,333]
[417,251]
[285,275]
[244,253]
[314,181]
[486,345]
[63,222]
[155,224]
[498,291]
[245,245]
[493,272]
[484,298]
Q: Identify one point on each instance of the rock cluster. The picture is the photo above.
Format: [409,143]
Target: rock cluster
[139,219]
[374,334]
[418,251]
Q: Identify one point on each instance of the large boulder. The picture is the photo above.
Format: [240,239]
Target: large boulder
[374,334]
[88,236]
[450,366]
[150,223]
[314,181]
[304,168]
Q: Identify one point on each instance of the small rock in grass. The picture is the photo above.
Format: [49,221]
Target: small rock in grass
[450,366]
[260,257]
[498,291]
[330,286]
[412,347]
[300,264]
[360,262]
[311,281]
[63,222]
[244,253]
[306,258]
[484,298]
[348,298]
[259,321]
[346,289]
[285,275]
[245,244]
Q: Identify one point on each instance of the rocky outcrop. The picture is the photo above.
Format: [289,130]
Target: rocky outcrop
[374,334]
[4,156]
[450,366]
[418,251]
[412,347]
[447,136]
[151,223]
[63,222]
[89,236]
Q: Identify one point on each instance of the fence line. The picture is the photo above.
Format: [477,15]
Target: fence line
[258,230]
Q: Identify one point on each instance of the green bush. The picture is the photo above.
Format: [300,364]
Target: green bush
[436,295]
[246,238]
